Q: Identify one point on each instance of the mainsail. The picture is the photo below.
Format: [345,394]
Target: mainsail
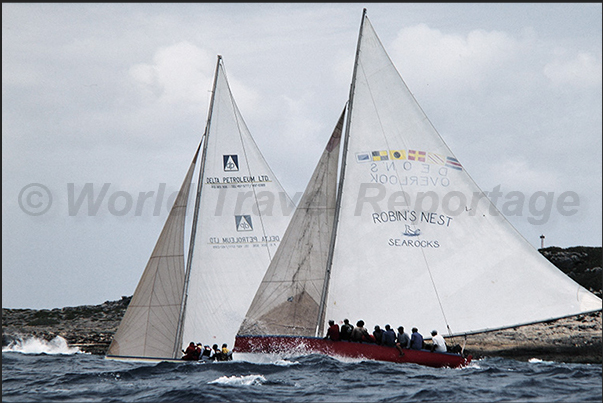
[416,242]
[241,213]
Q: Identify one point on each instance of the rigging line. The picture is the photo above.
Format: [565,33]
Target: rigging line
[253,189]
[398,174]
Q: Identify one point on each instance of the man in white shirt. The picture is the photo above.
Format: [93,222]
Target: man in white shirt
[439,344]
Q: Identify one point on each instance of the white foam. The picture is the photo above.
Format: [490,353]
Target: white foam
[538,360]
[240,380]
[271,359]
[34,345]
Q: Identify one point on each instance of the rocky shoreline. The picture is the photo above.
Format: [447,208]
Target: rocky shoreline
[89,328]
[578,339]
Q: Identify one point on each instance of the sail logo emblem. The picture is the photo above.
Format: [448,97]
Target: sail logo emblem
[243,223]
[411,232]
[231,162]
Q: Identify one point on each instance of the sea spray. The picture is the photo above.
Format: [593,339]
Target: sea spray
[240,380]
[34,345]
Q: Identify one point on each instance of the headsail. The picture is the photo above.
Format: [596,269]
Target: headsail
[149,327]
[288,300]
[243,213]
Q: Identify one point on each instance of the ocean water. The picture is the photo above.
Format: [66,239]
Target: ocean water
[39,371]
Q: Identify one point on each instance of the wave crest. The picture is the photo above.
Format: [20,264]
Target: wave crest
[240,380]
[34,345]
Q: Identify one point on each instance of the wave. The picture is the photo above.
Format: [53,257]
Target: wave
[34,345]
[240,380]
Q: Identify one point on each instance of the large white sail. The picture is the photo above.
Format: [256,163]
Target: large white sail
[289,297]
[149,327]
[243,213]
[418,244]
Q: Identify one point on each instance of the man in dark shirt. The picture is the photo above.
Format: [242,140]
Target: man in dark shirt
[416,339]
[388,339]
[378,335]
[346,330]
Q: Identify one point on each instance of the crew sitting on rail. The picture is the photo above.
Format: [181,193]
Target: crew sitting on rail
[360,334]
[192,352]
[333,331]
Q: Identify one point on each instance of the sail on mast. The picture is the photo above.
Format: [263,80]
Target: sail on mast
[415,242]
[177,346]
[435,251]
[288,299]
[244,212]
[241,213]
[149,327]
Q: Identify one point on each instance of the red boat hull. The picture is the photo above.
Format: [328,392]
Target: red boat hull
[295,345]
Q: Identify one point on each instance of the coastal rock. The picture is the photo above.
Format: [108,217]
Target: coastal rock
[88,327]
[576,339]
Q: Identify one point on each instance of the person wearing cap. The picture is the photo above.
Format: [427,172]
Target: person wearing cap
[439,344]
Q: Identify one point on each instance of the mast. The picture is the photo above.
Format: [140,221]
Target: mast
[187,274]
[325,290]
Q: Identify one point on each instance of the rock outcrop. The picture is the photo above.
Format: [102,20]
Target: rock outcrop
[577,339]
[88,327]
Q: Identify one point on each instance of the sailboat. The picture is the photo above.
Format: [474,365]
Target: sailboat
[405,237]
[241,212]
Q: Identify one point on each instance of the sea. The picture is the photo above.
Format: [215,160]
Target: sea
[35,370]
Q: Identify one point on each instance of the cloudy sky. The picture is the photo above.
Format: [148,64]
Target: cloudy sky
[110,99]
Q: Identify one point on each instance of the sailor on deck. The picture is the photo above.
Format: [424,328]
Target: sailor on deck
[439,344]
[416,339]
